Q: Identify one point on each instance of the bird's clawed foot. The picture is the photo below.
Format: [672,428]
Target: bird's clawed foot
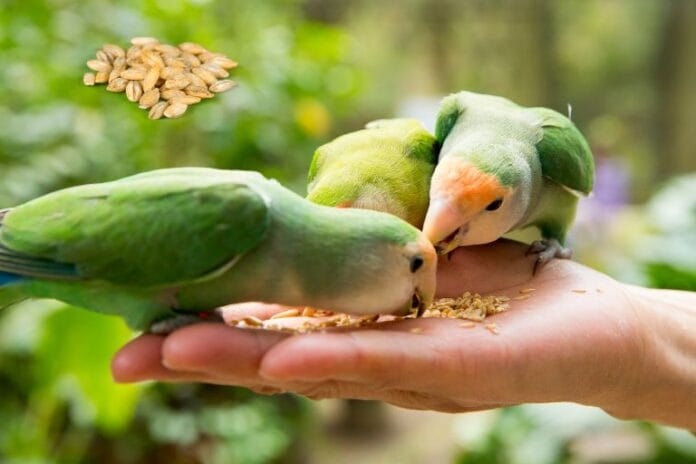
[546,250]
[169,325]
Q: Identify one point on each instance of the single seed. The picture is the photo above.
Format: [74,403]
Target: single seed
[172,93]
[120,63]
[175,110]
[134,91]
[308,312]
[208,77]
[192,48]
[190,60]
[200,92]
[114,74]
[287,313]
[157,110]
[114,50]
[89,78]
[253,321]
[133,74]
[144,41]
[218,71]
[103,56]
[179,81]
[101,77]
[224,62]
[492,328]
[197,81]
[149,98]
[117,85]
[151,78]
[99,66]
[186,100]
[222,86]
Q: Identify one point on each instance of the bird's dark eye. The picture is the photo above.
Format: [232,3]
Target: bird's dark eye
[495,204]
[416,263]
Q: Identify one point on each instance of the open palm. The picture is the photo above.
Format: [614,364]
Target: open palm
[574,339]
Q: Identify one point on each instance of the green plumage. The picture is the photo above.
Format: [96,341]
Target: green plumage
[385,167]
[537,152]
[190,240]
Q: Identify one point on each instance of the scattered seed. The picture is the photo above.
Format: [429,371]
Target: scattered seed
[578,290]
[88,79]
[222,86]
[308,312]
[467,325]
[182,75]
[175,110]
[523,297]
[288,313]
[253,321]
[599,290]
[416,330]
[157,110]
[524,291]
[492,328]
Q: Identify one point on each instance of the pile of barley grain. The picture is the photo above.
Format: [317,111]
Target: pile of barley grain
[161,78]
[469,306]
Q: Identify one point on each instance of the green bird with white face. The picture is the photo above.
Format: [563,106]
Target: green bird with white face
[504,167]
[385,167]
[164,247]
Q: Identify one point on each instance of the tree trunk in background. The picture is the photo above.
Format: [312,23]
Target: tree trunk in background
[676,151]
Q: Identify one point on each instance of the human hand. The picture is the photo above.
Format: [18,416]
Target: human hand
[594,345]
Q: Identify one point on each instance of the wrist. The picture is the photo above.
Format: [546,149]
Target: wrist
[659,384]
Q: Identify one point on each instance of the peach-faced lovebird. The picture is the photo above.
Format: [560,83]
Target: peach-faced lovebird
[504,167]
[163,247]
[385,167]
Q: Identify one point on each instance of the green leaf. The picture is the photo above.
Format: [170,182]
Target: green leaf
[73,361]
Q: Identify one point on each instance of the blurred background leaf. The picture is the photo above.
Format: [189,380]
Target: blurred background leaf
[309,71]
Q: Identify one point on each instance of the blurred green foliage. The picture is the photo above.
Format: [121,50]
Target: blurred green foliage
[310,70]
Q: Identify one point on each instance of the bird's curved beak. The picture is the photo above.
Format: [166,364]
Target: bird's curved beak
[442,223]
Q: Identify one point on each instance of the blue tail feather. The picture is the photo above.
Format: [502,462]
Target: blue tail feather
[7,278]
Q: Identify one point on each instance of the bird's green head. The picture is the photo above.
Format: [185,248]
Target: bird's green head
[475,200]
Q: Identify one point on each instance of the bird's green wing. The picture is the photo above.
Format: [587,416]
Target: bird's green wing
[148,230]
[564,153]
[450,110]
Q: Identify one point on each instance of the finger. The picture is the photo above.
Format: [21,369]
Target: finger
[141,360]
[391,356]
[219,352]
[484,268]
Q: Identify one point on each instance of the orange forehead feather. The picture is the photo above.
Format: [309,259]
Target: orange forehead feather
[466,185]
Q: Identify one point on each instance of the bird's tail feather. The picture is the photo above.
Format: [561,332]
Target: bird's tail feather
[10,294]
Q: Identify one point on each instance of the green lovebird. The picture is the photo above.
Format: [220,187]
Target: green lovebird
[164,247]
[504,167]
[385,167]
